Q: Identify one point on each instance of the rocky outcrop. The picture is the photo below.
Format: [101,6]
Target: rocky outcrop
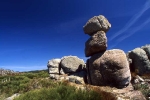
[95,24]
[71,64]
[105,67]
[140,62]
[53,66]
[69,68]
[4,72]
[109,68]
[96,44]
[146,48]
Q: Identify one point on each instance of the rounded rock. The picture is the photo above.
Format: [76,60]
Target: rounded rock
[109,68]
[140,61]
[97,23]
[71,64]
[97,43]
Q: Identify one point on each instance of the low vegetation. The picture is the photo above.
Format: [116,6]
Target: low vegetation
[144,88]
[36,85]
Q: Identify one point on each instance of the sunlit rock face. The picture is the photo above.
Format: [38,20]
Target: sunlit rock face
[68,68]
[104,67]
[96,44]
[96,23]
[71,64]
[109,68]
[53,66]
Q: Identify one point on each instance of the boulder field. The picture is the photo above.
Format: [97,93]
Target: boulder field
[104,68]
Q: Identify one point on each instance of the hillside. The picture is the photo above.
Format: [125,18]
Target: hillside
[32,83]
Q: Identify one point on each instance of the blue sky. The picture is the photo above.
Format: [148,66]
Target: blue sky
[34,31]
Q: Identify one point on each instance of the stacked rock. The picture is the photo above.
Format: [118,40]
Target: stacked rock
[70,68]
[96,28]
[105,67]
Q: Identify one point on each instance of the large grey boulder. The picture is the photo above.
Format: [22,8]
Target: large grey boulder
[71,64]
[97,23]
[140,61]
[53,66]
[147,50]
[97,43]
[109,68]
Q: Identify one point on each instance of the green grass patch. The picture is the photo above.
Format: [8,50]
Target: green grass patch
[61,92]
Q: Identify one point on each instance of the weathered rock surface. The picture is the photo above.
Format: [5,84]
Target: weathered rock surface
[147,50]
[71,64]
[54,68]
[69,68]
[140,61]
[78,78]
[97,23]
[109,68]
[53,65]
[13,96]
[97,43]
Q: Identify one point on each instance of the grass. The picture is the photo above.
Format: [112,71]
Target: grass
[37,86]
[144,88]
[60,92]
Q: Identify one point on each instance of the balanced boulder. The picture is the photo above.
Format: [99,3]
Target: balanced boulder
[109,68]
[97,23]
[96,44]
[71,64]
[140,61]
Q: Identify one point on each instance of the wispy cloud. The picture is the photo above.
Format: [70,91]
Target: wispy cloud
[133,31]
[132,21]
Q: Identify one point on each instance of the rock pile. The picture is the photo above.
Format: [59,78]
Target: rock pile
[105,67]
[69,68]
[140,60]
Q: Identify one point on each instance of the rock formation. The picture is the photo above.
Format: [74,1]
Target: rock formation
[71,64]
[146,48]
[95,24]
[69,68]
[105,67]
[109,68]
[4,72]
[97,43]
[139,59]
[140,62]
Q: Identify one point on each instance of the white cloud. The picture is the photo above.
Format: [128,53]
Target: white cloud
[133,31]
[133,20]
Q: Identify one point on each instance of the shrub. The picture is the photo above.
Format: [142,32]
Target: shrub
[144,88]
[61,92]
